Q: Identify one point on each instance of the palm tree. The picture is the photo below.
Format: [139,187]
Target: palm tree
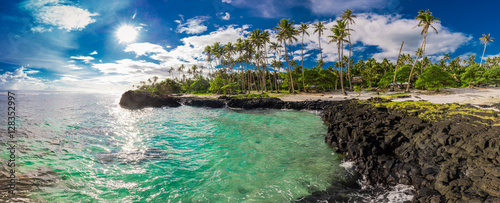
[266,39]
[275,47]
[256,37]
[340,33]
[426,19]
[319,28]
[285,32]
[208,52]
[348,17]
[485,39]
[446,57]
[303,29]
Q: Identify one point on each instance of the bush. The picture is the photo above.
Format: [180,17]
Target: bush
[435,77]
[473,75]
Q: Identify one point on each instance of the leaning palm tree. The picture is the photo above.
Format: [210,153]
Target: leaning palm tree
[348,17]
[426,19]
[340,33]
[485,39]
[319,28]
[303,29]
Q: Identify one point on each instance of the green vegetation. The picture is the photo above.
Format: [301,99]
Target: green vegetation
[395,96]
[439,112]
[435,77]
[255,64]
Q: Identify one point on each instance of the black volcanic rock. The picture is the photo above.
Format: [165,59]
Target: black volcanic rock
[268,103]
[445,161]
[136,100]
[211,103]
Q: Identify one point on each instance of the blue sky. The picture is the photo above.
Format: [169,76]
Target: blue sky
[73,45]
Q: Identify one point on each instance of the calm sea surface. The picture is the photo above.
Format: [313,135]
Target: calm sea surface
[78,147]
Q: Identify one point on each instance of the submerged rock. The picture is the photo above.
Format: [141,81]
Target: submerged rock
[136,100]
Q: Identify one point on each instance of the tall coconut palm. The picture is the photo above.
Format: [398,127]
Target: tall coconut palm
[319,28]
[256,37]
[303,29]
[348,17]
[208,52]
[274,47]
[286,32]
[266,39]
[485,39]
[426,19]
[339,36]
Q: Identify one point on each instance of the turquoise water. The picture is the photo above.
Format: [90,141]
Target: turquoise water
[85,148]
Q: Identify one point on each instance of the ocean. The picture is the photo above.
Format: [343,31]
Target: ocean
[83,147]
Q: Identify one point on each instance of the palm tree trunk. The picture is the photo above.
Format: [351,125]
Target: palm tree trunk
[340,69]
[320,51]
[302,53]
[396,69]
[414,63]
[481,64]
[349,61]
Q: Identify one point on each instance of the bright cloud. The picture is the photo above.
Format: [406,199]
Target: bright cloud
[193,25]
[144,48]
[225,16]
[191,52]
[127,66]
[93,53]
[20,80]
[54,13]
[85,59]
[386,32]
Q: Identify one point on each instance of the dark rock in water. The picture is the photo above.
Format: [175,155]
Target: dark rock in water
[136,100]
[268,103]
[211,103]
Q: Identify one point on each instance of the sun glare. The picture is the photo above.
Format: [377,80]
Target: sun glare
[126,33]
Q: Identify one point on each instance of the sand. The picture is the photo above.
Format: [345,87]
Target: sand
[462,95]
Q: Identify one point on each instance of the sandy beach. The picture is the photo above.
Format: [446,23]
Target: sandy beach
[474,96]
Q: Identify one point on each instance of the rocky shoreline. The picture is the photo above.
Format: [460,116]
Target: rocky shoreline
[451,160]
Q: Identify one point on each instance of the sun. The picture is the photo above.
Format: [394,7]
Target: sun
[126,33]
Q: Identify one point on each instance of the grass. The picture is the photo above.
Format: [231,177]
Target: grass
[441,112]
[395,95]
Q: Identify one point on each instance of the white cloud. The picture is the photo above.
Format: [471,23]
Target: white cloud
[20,80]
[191,52]
[85,59]
[54,13]
[193,25]
[226,1]
[127,66]
[385,32]
[40,29]
[144,48]
[73,67]
[225,16]
[94,53]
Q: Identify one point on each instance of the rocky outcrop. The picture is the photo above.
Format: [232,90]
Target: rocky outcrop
[445,161]
[136,100]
